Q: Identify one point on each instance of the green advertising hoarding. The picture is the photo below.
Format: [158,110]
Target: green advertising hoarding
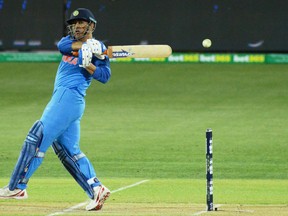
[174,58]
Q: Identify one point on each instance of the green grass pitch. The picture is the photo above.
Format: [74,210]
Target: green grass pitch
[149,122]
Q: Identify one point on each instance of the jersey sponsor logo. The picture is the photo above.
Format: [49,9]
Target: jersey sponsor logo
[70,59]
[122,54]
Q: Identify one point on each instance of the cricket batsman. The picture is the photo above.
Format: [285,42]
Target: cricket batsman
[59,125]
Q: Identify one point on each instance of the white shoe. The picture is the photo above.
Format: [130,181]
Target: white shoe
[5,193]
[101,193]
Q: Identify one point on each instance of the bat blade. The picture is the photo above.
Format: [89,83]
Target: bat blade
[139,51]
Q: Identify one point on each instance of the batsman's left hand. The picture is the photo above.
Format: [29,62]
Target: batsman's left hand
[85,56]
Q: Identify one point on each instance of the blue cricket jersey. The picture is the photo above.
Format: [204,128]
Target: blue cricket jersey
[71,76]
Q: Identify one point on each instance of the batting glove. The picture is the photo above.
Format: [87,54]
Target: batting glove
[85,56]
[96,48]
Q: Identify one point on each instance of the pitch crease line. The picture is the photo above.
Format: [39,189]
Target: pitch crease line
[204,212]
[85,203]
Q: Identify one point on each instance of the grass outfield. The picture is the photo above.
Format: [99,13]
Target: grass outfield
[149,122]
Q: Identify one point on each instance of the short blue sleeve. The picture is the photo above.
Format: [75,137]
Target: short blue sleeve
[65,45]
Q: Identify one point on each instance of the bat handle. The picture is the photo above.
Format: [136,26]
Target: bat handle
[75,53]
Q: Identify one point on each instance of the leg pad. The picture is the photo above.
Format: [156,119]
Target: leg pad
[70,163]
[29,151]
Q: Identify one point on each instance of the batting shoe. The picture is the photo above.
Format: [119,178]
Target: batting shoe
[101,193]
[5,193]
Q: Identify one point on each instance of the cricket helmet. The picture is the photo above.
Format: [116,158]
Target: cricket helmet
[82,14]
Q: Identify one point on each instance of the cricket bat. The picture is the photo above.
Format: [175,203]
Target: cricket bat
[137,51]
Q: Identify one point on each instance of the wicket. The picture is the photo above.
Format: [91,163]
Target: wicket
[209,170]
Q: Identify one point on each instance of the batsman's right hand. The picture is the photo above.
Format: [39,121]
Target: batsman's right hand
[85,56]
[96,48]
